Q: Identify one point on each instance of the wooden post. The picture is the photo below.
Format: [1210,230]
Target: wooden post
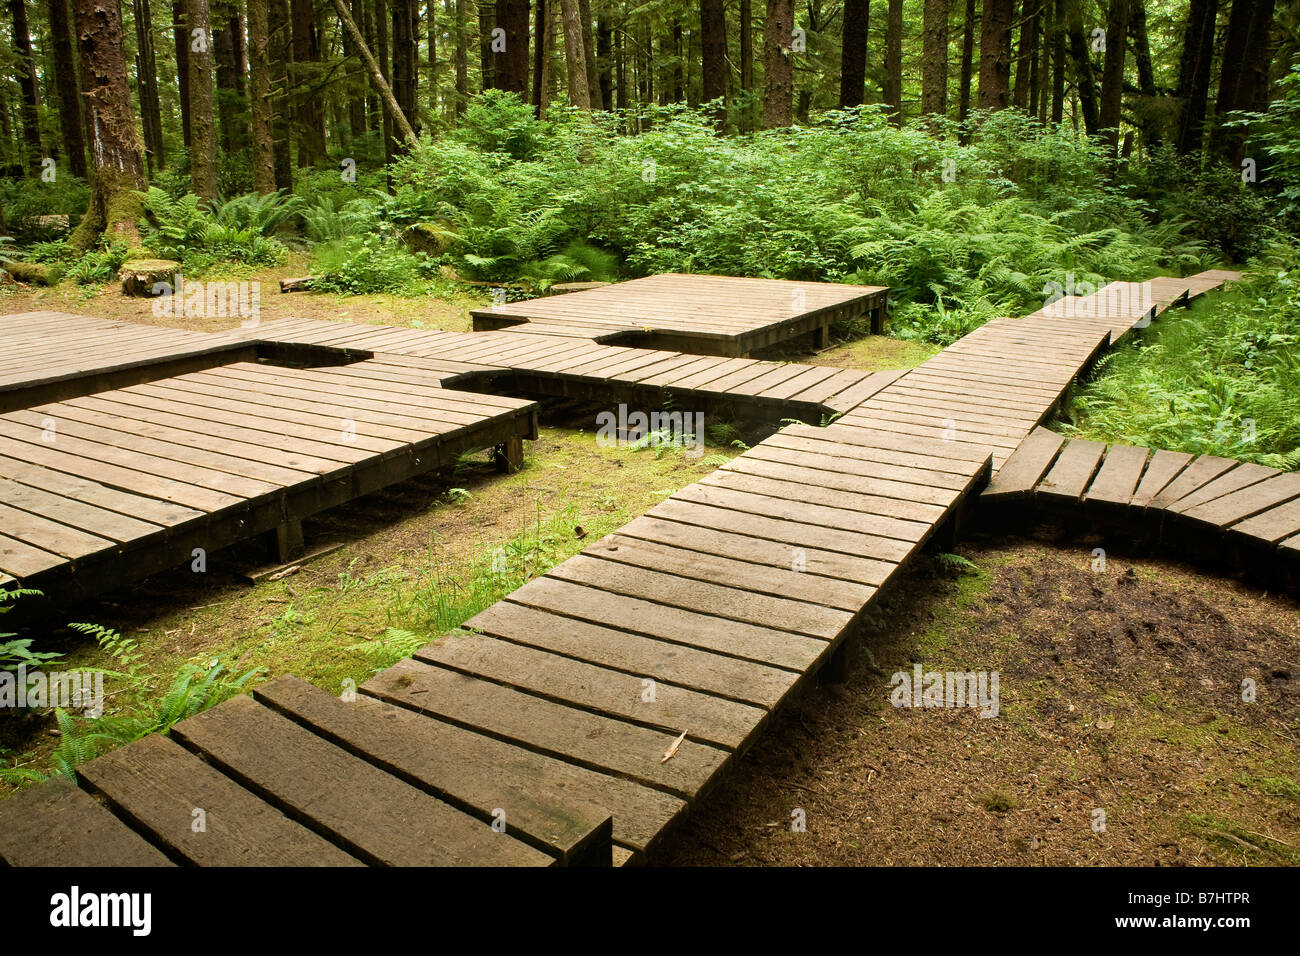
[509,457]
[288,539]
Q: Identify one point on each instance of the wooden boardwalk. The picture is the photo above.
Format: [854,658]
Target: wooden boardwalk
[550,365]
[704,315]
[107,486]
[590,708]
[1214,508]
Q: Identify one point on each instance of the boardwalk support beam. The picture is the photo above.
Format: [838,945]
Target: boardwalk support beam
[509,456]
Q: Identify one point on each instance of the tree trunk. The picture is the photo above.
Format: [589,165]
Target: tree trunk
[1146,109]
[967,61]
[747,49]
[405,66]
[1194,74]
[541,64]
[604,60]
[487,16]
[589,55]
[225,17]
[462,56]
[181,34]
[713,51]
[203,133]
[259,97]
[778,75]
[26,73]
[376,73]
[358,84]
[1112,75]
[575,56]
[853,52]
[280,45]
[1058,63]
[308,114]
[894,61]
[934,58]
[512,62]
[117,171]
[431,62]
[995,54]
[1026,55]
[1084,80]
[1244,73]
[65,80]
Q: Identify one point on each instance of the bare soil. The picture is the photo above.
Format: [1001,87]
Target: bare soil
[1121,695]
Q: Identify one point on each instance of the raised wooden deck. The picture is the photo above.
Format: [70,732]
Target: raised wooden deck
[705,315]
[549,365]
[1230,512]
[108,485]
[593,706]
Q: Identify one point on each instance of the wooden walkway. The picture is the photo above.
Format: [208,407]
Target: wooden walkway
[704,315]
[1232,512]
[108,486]
[593,706]
[551,365]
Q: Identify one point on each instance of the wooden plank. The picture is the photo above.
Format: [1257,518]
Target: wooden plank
[728,544]
[599,743]
[51,535]
[454,766]
[376,817]
[798,617]
[635,654]
[884,538]
[918,502]
[1250,500]
[18,559]
[720,635]
[1163,468]
[1244,475]
[599,690]
[1072,472]
[1200,472]
[1273,525]
[822,461]
[97,521]
[775,582]
[55,824]
[1118,477]
[159,785]
[540,794]
[1026,467]
[788,484]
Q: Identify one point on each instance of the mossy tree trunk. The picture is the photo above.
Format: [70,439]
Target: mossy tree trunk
[203,128]
[259,84]
[117,171]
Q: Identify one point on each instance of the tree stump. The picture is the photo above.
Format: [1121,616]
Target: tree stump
[139,276]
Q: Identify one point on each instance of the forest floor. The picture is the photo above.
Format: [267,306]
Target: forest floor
[1119,691]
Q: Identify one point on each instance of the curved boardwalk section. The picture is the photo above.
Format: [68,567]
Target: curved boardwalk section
[1205,506]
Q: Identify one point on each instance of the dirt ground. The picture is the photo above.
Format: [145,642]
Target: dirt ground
[1122,736]
[106,301]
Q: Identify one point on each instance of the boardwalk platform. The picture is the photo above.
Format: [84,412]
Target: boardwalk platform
[549,365]
[108,485]
[592,707]
[704,315]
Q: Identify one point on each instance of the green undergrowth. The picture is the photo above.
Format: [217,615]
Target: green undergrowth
[1221,378]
